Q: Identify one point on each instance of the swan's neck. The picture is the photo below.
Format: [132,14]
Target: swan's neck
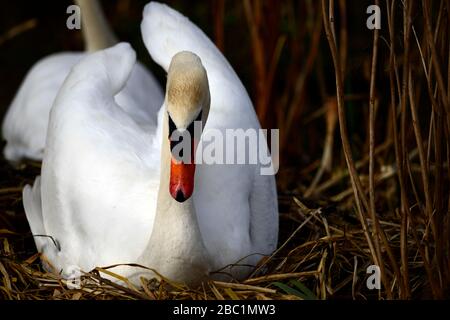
[176,246]
[96,31]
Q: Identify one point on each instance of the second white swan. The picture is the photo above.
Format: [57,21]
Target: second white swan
[25,124]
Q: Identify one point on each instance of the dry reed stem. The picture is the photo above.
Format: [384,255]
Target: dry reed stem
[356,184]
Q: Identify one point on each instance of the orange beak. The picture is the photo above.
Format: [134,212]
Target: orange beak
[182,176]
[181,180]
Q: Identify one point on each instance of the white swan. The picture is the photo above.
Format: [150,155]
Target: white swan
[25,124]
[112,192]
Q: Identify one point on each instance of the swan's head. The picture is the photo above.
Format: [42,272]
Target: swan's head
[187,101]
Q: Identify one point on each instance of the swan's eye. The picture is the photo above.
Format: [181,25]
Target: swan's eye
[172,126]
[192,125]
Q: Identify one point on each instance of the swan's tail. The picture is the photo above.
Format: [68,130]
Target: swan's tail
[107,69]
[33,210]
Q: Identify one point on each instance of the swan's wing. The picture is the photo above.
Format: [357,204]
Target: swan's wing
[25,124]
[100,174]
[166,32]
[141,97]
[264,214]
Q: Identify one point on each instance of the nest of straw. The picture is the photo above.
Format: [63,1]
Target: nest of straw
[322,254]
